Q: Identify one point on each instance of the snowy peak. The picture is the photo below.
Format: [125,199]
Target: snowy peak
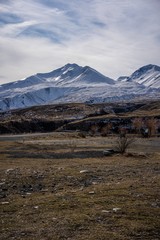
[148,75]
[145,70]
[60,72]
[73,74]
[89,76]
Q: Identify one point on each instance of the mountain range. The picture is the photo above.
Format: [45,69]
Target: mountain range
[73,83]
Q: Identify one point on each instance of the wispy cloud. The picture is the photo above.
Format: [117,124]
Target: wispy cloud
[115,37]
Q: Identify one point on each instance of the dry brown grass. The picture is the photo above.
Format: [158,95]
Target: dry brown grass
[44,194]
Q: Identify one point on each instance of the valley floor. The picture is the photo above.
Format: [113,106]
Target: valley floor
[60,186]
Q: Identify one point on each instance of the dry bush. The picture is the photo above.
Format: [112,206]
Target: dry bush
[122,144]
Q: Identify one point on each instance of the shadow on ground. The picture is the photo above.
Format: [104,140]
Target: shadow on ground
[53,155]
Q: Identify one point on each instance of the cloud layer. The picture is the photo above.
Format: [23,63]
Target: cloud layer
[113,36]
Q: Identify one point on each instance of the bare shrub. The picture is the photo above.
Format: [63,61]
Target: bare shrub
[122,144]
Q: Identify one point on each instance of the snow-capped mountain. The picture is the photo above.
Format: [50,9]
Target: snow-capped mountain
[148,75]
[73,83]
[44,88]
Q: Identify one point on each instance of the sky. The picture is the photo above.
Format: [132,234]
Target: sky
[115,37]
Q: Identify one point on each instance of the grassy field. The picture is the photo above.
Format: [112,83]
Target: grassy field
[61,186]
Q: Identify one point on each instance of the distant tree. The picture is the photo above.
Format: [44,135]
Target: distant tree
[105,130]
[94,129]
[137,124]
[152,125]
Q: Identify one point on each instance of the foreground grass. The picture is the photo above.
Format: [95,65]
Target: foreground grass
[55,191]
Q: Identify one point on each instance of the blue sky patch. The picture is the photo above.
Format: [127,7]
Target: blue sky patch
[6,18]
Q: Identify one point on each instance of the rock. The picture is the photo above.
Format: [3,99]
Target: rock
[2,183]
[155,205]
[94,183]
[92,192]
[116,209]
[109,152]
[36,207]
[3,203]
[105,211]
[9,170]
[44,190]
[84,171]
